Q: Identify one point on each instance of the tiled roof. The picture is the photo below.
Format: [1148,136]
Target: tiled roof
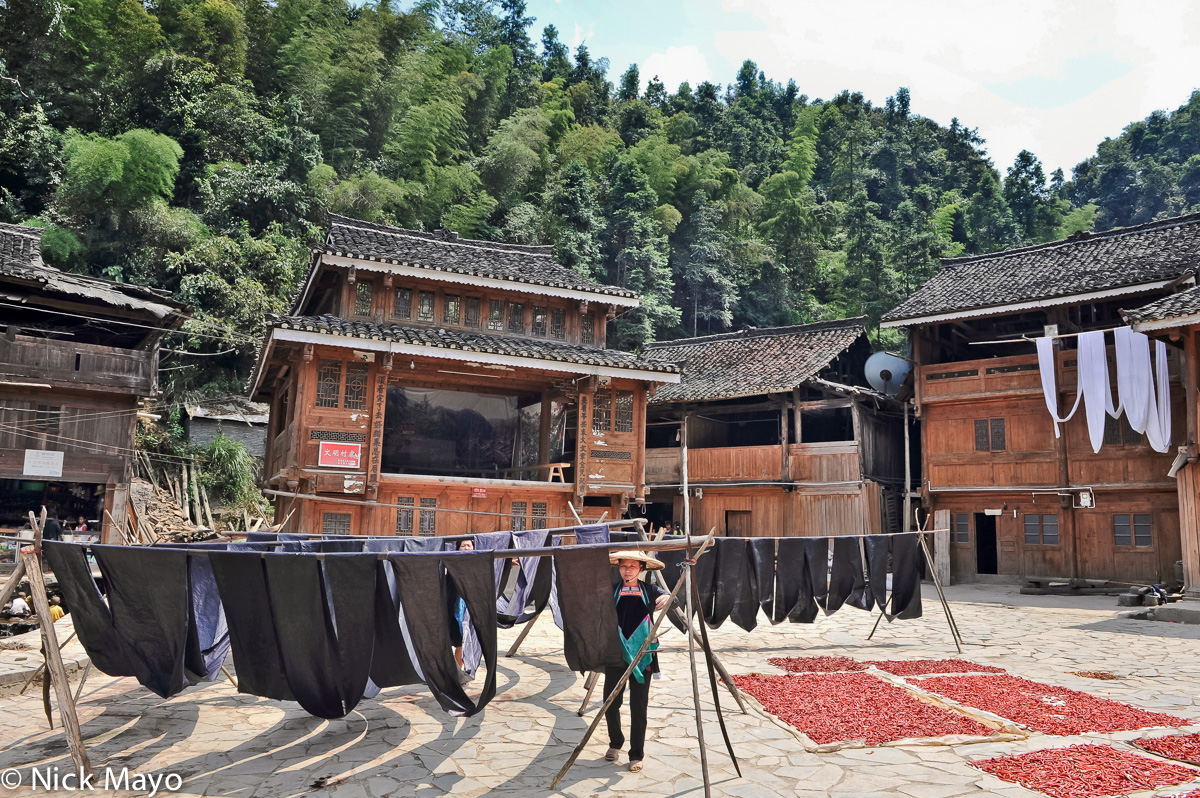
[20,249]
[467,341]
[1185,303]
[1052,273]
[446,252]
[21,259]
[752,362]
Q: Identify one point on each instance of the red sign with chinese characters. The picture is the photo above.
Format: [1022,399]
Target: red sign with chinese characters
[340,455]
[478,493]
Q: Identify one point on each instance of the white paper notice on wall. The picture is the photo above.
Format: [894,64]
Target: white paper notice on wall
[42,463]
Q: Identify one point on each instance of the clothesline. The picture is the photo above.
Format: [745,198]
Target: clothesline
[413,508]
[1026,338]
[499,554]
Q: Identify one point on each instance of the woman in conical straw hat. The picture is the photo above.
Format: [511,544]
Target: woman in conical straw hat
[636,600]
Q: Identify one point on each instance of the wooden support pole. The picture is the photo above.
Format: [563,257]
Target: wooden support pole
[208,517]
[687,577]
[79,690]
[608,700]
[589,687]
[512,651]
[194,478]
[14,579]
[183,490]
[41,668]
[54,664]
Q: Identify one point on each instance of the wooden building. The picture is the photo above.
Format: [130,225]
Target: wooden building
[1021,502]
[783,436]
[1176,319]
[426,384]
[77,359]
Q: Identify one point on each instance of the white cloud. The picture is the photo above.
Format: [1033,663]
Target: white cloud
[582,35]
[675,66]
[1070,71]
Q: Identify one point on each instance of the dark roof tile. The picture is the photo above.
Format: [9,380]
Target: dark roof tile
[752,362]
[1082,264]
[464,340]
[1185,303]
[447,253]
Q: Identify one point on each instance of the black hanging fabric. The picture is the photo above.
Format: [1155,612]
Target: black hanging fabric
[906,576]
[728,568]
[878,548]
[532,591]
[303,631]
[392,664]
[90,613]
[350,584]
[745,604]
[421,585]
[424,544]
[242,583]
[585,592]
[208,631]
[149,600]
[762,562]
[847,584]
[791,575]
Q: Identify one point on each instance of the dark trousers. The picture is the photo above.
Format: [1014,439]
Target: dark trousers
[639,699]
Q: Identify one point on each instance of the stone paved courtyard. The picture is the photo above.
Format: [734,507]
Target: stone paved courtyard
[401,744]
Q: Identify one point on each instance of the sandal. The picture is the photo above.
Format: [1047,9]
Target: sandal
[635,766]
[612,754]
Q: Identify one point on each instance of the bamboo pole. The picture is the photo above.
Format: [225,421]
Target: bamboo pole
[687,577]
[183,491]
[54,664]
[683,473]
[608,700]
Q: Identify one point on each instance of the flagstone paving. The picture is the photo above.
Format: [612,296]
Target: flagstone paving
[402,744]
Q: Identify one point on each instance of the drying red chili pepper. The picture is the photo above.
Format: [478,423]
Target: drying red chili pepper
[817,664]
[1085,771]
[920,667]
[835,707]
[1184,747]
[1045,708]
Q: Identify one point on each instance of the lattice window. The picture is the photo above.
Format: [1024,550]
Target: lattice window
[1132,530]
[471,312]
[989,435]
[404,515]
[539,515]
[425,306]
[623,420]
[602,412]
[587,328]
[496,315]
[362,298]
[48,419]
[516,317]
[1117,432]
[329,382]
[335,524]
[518,516]
[356,386]
[428,520]
[1041,530]
[452,309]
[962,529]
[538,321]
[558,323]
[403,306]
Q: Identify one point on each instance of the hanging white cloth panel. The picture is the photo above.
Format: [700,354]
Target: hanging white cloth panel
[1093,378]
[1158,428]
[1135,386]
[1045,353]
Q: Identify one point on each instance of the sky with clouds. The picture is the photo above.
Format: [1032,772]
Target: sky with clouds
[1055,77]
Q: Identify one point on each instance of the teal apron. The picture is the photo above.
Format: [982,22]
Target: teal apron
[633,644]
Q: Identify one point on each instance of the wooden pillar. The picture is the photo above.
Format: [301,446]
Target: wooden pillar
[640,401]
[908,519]
[784,458]
[376,514]
[1187,480]
[544,430]
[683,472]
[941,545]
[796,414]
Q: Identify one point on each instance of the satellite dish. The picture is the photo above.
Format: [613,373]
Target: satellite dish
[886,372]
